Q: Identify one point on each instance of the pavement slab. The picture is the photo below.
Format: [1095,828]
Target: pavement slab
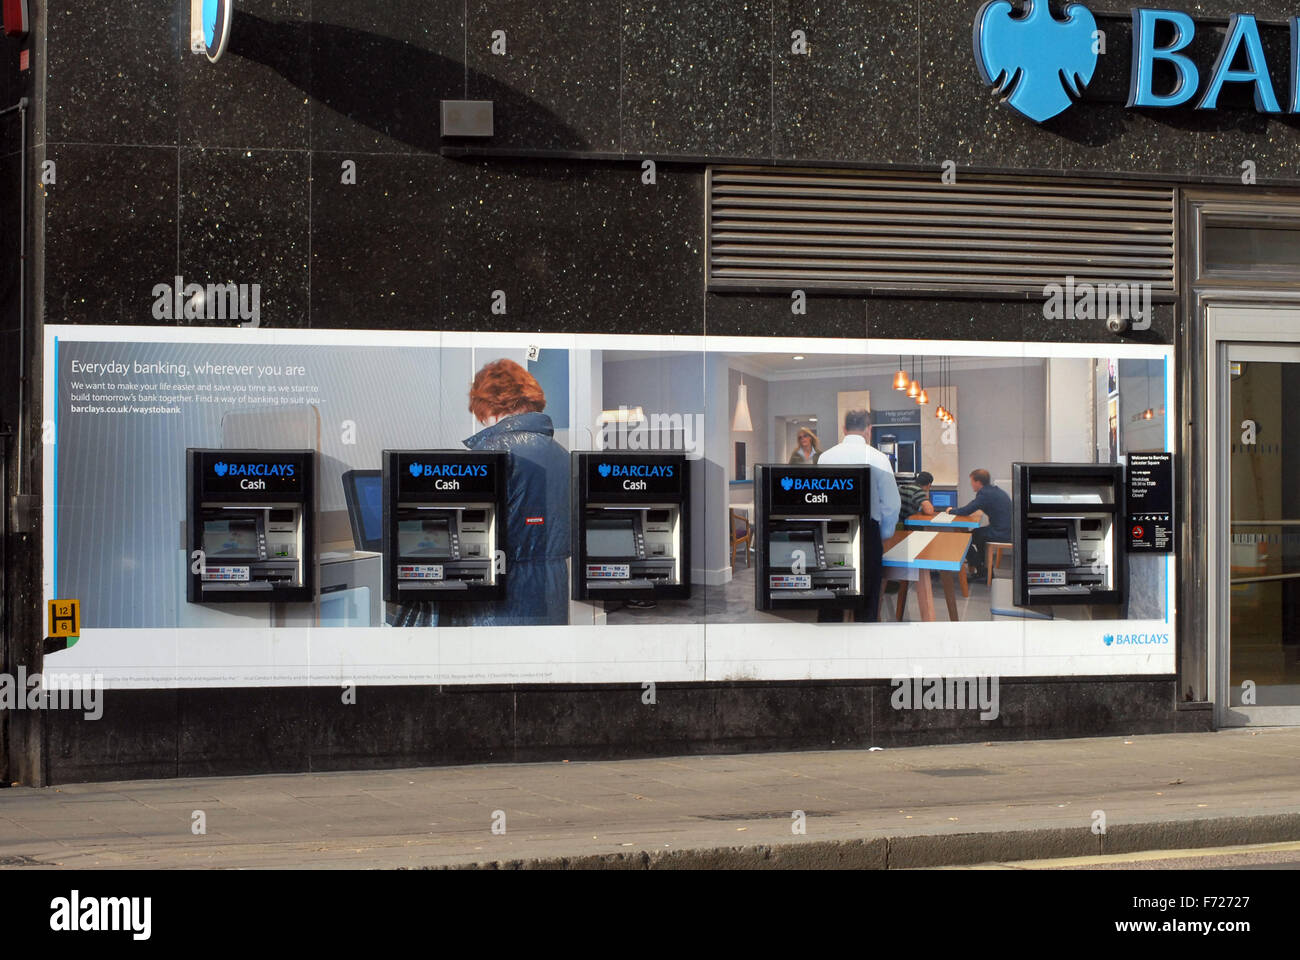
[912,807]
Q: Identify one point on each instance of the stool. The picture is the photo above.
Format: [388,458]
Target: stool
[993,556]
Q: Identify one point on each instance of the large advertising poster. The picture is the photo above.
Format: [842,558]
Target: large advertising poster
[483,590]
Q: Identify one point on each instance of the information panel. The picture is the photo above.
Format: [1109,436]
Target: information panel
[1149,502]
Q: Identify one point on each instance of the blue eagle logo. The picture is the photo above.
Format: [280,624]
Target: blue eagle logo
[603,469]
[416,469]
[1042,61]
[786,483]
[219,468]
[1108,639]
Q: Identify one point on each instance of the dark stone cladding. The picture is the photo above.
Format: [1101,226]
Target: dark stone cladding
[234,171]
[168,165]
[148,734]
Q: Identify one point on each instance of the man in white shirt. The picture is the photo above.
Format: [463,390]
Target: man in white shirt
[885,502]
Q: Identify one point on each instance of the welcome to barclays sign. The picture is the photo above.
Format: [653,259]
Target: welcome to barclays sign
[1040,62]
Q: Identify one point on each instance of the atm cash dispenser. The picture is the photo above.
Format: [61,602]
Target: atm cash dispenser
[811,524]
[631,525]
[251,513]
[444,523]
[1067,525]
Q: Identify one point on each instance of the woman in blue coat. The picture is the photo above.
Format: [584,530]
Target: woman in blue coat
[508,401]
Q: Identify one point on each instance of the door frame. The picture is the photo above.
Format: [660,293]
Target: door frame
[1272,320]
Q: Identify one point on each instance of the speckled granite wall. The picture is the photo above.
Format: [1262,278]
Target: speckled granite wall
[171,165]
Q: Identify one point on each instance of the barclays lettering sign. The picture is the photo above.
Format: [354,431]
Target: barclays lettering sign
[635,470]
[816,483]
[221,469]
[1135,639]
[448,469]
[1041,64]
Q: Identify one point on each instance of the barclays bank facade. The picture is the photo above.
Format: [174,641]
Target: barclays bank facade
[422,383]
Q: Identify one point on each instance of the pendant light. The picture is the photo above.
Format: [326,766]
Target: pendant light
[1148,413]
[923,398]
[947,383]
[900,378]
[740,421]
[940,411]
[913,389]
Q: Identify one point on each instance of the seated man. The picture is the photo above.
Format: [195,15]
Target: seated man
[993,502]
[915,496]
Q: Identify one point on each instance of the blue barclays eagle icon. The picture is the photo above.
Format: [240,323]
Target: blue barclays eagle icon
[1040,59]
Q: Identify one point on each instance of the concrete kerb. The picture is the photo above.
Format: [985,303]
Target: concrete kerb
[933,850]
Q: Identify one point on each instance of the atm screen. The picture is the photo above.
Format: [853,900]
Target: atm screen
[234,539]
[783,544]
[611,537]
[1049,551]
[424,538]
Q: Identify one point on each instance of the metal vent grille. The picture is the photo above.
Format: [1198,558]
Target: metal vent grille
[779,229]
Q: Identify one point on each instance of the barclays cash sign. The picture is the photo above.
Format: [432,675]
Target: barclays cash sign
[1039,63]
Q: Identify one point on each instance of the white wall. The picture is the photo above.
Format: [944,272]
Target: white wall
[1070,420]
[1002,412]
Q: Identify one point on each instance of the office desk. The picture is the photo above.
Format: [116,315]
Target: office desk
[911,555]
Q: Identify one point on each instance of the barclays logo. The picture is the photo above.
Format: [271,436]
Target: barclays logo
[221,469]
[816,483]
[1042,61]
[448,469]
[1039,63]
[1135,639]
[636,470]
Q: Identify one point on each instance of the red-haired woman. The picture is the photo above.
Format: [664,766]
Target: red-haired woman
[508,401]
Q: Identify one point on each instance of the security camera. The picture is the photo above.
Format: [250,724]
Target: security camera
[1116,325]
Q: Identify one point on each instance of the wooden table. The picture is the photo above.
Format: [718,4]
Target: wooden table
[960,522]
[910,555]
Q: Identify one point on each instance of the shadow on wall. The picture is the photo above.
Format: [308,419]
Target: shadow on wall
[391,86]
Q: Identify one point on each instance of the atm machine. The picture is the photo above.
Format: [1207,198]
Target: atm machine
[631,525]
[250,525]
[811,522]
[1067,526]
[444,525]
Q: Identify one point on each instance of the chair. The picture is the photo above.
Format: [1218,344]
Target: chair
[742,532]
[993,556]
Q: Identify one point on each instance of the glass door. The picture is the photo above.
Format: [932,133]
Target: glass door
[1260,471]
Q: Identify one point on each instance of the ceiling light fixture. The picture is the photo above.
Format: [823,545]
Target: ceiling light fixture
[901,378]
